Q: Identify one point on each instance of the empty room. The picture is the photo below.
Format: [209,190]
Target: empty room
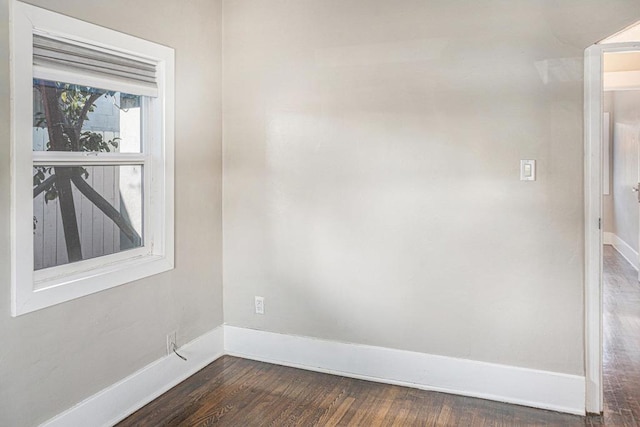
[319,213]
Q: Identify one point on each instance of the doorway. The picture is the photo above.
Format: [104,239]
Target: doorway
[626,43]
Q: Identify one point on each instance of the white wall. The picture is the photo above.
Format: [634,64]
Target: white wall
[54,358]
[626,130]
[371,160]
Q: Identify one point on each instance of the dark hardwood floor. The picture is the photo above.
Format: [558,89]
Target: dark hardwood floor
[239,392]
[621,355]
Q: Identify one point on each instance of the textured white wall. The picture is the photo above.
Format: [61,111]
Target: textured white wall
[371,161]
[54,358]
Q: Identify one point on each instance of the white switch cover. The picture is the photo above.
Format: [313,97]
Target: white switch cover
[527,170]
[259,302]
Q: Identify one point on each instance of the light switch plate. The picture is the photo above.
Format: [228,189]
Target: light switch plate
[527,170]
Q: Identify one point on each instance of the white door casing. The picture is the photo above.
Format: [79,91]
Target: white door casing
[593,185]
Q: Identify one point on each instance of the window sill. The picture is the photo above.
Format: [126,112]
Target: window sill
[60,289]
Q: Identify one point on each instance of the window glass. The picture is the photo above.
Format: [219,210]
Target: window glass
[87,119]
[83,212]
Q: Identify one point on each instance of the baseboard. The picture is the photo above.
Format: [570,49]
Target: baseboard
[116,402]
[625,250]
[529,387]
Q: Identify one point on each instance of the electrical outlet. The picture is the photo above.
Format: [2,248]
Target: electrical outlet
[259,301]
[171,342]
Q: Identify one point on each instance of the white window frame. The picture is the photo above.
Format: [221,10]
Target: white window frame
[33,290]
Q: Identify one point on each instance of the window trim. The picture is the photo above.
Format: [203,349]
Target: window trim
[33,290]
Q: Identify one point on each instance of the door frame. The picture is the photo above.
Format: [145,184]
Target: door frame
[593,109]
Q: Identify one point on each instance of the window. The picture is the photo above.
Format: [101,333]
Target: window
[92,158]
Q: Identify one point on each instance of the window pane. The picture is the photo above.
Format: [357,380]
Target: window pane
[85,119]
[85,212]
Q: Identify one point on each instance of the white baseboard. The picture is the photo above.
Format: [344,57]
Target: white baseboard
[529,387]
[116,402]
[625,250]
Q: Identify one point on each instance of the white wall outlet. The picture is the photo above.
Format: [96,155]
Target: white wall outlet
[171,342]
[259,302]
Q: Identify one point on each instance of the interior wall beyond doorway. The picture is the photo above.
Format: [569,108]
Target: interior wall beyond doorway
[621,209]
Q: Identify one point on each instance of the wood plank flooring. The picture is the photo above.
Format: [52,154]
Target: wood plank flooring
[239,392]
[621,355]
